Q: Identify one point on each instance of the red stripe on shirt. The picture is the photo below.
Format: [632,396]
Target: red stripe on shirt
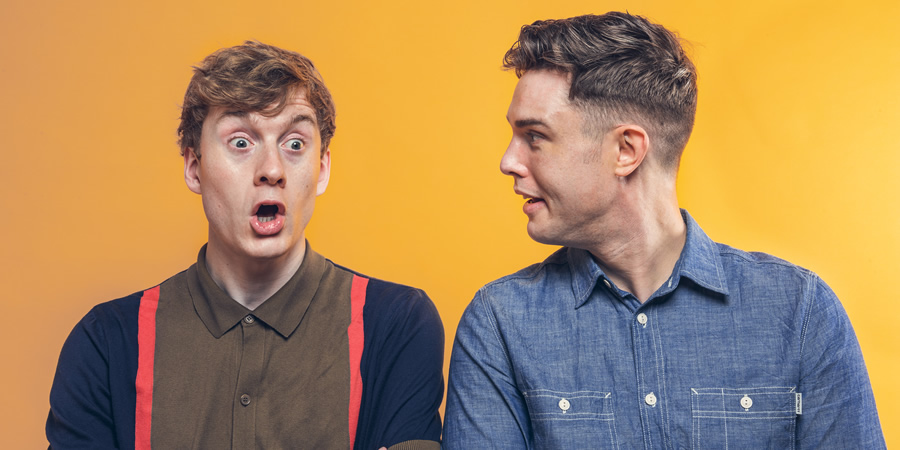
[143,383]
[356,336]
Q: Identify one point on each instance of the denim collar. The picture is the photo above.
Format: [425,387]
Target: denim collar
[699,262]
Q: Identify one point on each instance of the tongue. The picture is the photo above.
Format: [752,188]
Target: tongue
[267,212]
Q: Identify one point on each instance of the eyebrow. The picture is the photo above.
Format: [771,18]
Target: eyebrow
[303,118]
[295,120]
[522,123]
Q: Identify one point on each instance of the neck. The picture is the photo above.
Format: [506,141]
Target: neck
[251,281]
[640,250]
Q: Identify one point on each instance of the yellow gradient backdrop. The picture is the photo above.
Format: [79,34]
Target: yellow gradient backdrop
[795,152]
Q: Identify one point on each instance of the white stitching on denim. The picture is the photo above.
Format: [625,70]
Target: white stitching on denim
[725,419]
[664,392]
[808,300]
[645,415]
[744,418]
[741,391]
[490,316]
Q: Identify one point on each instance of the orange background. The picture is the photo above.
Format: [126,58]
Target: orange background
[795,152]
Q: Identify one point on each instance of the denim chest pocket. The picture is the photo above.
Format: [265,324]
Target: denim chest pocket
[580,419]
[763,417]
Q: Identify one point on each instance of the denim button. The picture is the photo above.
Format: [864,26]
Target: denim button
[650,399]
[564,405]
[642,319]
[606,282]
[746,402]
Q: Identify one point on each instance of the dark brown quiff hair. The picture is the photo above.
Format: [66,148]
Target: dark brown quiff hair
[622,67]
[253,77]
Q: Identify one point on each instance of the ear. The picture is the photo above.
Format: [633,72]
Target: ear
[324,171]
[192,170]
[633,145]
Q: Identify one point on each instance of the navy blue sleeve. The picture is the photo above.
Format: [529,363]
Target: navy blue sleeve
[402,367]
[92,397]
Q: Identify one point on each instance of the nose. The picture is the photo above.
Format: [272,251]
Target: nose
[270,168]
[512,162]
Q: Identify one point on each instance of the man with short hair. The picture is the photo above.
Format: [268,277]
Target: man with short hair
[263,343]
[640,332]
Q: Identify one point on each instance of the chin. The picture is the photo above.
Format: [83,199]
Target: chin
[273,249]
[541,237]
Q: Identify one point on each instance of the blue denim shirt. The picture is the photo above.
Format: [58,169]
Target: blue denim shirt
[735,350]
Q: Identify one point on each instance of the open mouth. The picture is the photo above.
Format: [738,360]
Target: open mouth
[534,200]
[266,213]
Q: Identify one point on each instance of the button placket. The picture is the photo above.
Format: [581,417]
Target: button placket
[252,361]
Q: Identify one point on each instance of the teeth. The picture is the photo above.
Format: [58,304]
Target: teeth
[264,219]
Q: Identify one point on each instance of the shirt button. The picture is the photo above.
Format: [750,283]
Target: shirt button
[606,282]
[245,399]
[642,319]
[746,402]
[650,399]
[249,319]
[564,405]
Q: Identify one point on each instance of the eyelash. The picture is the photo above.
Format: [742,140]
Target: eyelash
[533,137]
[301,141]
[233,142]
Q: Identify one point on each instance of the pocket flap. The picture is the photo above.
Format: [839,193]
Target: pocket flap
[544,404]
[760,402]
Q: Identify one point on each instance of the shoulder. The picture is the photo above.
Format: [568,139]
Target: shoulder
[121,315]
[757,268]
[546,271]
[758,260]
[389,302]
[515,301]
[760,279]
[553,276]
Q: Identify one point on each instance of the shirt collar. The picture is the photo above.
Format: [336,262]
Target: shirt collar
[283,311]
[699,261]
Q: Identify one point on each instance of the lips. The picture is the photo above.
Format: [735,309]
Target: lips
[532,203]
[267,218]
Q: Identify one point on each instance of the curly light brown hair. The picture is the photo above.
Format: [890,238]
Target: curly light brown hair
[622,67]
[253,77]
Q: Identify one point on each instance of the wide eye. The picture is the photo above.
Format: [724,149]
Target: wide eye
[295,144]
[239,142]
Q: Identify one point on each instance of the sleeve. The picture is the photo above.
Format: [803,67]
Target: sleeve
[485,408]
[402,370]
[838,407]
[81,413]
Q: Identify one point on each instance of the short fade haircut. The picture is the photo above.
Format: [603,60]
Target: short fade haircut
[622,67]
[253,77]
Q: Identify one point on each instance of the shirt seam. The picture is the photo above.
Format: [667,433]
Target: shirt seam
[490,316]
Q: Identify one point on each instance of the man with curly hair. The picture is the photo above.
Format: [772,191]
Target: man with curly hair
[263,343]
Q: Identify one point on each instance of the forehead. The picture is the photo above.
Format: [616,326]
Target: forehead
[540,95]
[296,109]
